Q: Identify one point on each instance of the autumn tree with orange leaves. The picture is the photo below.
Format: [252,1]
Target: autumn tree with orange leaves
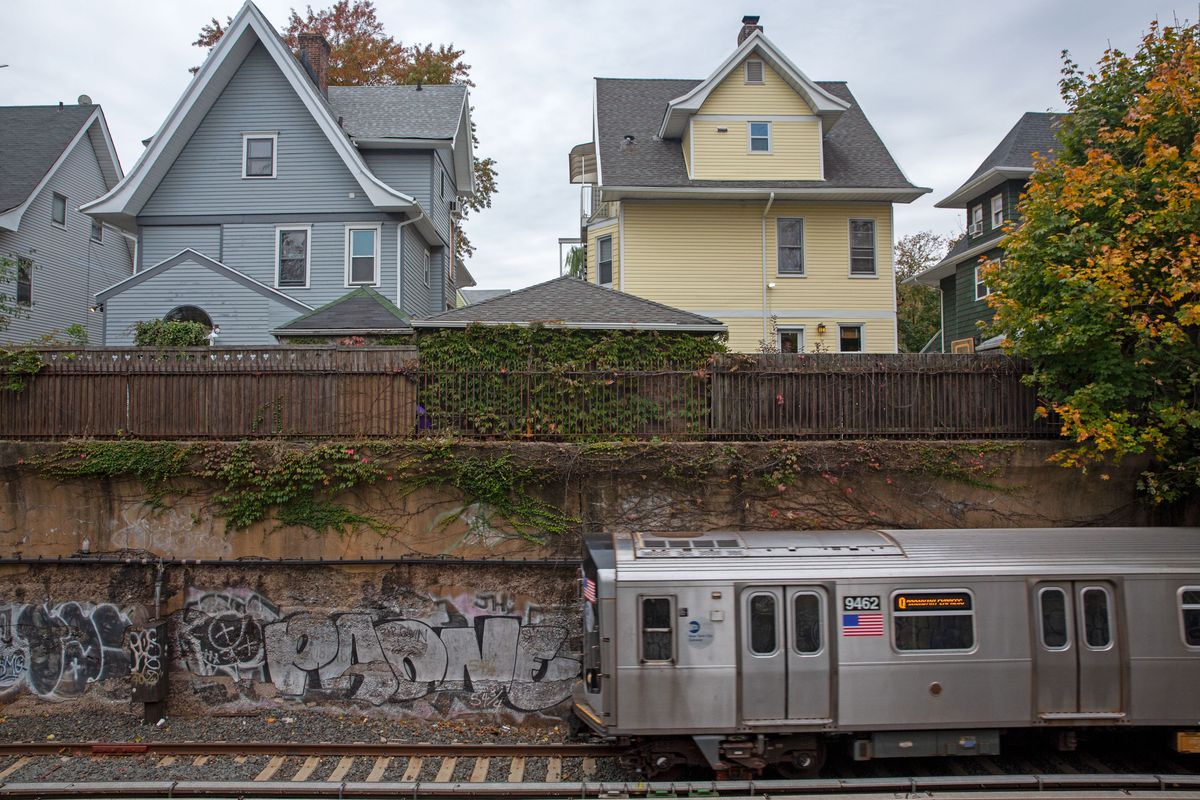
[362,54]
[1100,287]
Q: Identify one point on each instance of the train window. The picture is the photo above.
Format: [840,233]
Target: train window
[1097,622]
[1189,599]
[1054,618]
[807,613]
[933,620]
[762,624]
[657,631]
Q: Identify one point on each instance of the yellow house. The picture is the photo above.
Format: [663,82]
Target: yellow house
[756,196]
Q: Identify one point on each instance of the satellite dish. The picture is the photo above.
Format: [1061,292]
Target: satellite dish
[84,100]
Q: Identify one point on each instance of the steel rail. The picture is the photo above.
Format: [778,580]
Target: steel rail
[419,749]
[1074,785]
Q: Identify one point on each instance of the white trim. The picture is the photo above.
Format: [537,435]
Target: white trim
[691,149]
[611,260]
[596,132]
[806,313]
[801,329]
[892,278]
[762,72]
[377,227]
[307,228]
[848,193]
[996,197]
[821,139]
[862,336]
[122,203]
[596,326]
[874,275]
[973,188]
[426,268]
[949,265]
[750,137]
[803,273]
[274,137]
[755,117]
[987,290]
[621,246]
[95,225]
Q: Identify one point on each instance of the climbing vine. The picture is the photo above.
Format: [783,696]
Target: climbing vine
[17,366]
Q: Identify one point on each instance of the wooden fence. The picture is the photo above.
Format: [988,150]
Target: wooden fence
[351,392]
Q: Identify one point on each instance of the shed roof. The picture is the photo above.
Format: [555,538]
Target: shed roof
[362,311]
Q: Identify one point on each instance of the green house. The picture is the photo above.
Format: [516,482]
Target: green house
[990,198]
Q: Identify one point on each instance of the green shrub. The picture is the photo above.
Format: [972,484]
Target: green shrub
[157,333]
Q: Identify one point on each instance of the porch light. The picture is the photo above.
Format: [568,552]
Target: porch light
[820,329]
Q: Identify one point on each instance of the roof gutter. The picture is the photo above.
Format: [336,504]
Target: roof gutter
[594,326]
[965,193]
[877,194]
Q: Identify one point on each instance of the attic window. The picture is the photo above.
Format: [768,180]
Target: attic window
[258,155]
[754,72]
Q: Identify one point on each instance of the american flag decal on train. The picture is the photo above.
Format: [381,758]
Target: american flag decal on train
[589,590]
[862,624]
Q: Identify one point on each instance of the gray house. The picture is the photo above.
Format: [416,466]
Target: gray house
[52,159]
[268,194]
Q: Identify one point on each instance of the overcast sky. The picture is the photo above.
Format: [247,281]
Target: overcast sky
[941,81]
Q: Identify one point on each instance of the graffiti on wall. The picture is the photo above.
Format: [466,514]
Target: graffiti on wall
[487,651]
[58,651]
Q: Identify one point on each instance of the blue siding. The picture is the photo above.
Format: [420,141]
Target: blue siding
[404,170]
[439,207]
[206,178]
[160,242]
[416,296]
[245,316]
[68,267]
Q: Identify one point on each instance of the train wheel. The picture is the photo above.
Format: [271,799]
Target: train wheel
[802,764]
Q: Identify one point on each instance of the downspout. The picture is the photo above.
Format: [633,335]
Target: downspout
[765,305]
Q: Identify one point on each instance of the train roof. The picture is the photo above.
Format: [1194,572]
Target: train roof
[816,555]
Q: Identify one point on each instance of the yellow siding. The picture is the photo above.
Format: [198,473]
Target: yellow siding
[795,151]
[707,258]
[772,96]
[595,233]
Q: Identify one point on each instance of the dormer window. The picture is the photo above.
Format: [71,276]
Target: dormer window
[258,155]
[998,211]
[754,71]
[976,226]
[760,137]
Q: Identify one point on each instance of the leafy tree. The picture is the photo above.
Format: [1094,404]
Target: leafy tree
[577,261]
[1100,287]
[10,309]
[362,54]
[917,307]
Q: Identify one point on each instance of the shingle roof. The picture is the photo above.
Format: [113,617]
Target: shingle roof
[399,112]
[1034,132]
[571,302]
[362,311]
[855,157]
[31,140]
[473,296]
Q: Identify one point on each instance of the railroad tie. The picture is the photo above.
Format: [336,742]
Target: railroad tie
[480,771]
[13,767]
[166,761]
[306,769]
[446,772]
[589,767]
[239,759]
[516,772]
[414,769]
[554,770]
[270,769]
[200,761]
[381,765]
[341,769]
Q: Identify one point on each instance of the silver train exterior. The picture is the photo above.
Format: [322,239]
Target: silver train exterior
[748,650]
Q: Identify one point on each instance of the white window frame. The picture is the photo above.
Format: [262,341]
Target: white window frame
[750,137]
[862,336]
[53,199]
[1186,607]
[279,229]
[997,211]
[611,261]
[427,267]
[975,223]
[96,234]
[874,273]
[378,228]
[274,137]
[762,71]
[782,329]
[803,266]
[979,281]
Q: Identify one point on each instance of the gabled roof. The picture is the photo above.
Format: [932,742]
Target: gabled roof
[362,312]
[1035,132]
[476,296]
[857,164]
[190,255]
[818,98]
[121,205]
[36,140]
[568,302]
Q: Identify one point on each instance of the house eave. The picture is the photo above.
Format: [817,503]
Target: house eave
[285,332]
[988,180]
[861,194]
[949,265]
[599,326]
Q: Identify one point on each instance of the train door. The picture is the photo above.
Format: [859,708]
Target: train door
[784,653]
[1078,649]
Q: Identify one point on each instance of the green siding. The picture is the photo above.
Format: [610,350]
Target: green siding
[949,314]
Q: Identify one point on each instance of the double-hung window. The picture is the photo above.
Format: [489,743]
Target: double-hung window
[58,209]
[97,232]
[760,137]
[258,155]
[604,261]
[362,256]
[24,281]
[791,340]
[862,248]
[790,256]
[291,257]
[997,211]
[976,226]
[850,338]
[981,287]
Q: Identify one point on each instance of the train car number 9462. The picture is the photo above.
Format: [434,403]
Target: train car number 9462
[860,603]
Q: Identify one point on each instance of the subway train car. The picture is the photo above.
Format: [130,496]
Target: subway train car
[754,650]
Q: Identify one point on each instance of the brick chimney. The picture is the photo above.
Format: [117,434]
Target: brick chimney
[314,55]
[749,26]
